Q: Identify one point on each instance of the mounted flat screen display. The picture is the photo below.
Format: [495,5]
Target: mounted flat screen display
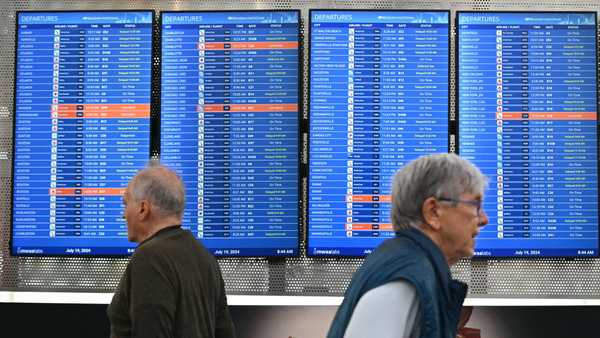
[230,126]
[378,99]
[527,110]
[81,128]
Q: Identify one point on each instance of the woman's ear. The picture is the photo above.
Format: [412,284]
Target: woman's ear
[431,213]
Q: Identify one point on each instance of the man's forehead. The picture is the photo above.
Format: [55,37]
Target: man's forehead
[126,192]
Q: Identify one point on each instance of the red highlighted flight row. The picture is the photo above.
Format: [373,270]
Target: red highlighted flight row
[66,111]
[219,108]
[590,116]
[86,191]
[368,198]
[248,45]
[369,226]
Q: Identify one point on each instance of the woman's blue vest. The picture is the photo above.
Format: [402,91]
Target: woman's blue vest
[411,256]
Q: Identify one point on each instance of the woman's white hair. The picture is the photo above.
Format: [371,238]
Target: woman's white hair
[439,175]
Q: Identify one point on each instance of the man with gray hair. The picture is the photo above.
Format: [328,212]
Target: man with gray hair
[172,286]
[404,288]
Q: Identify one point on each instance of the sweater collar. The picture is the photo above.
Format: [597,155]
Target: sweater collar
[160,232]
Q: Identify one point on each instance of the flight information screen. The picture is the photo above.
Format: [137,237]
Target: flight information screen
[378,99]
[527,102]
[82,128]
[229,126]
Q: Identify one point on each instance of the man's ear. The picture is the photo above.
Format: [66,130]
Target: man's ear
[144,210]
[431,211]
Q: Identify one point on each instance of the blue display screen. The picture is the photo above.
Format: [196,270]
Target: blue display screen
[82,128]
[229,126]
[527,103]
[378,99]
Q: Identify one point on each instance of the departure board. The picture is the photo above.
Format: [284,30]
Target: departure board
[528,118]
[378,99]
[82,128]
[230,124]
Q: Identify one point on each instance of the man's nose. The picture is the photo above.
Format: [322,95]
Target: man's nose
[483,218]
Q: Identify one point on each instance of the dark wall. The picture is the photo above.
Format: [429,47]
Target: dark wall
[537,322]
[53,320]
[90,321]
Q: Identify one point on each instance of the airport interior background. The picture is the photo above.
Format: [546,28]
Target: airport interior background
[522,105]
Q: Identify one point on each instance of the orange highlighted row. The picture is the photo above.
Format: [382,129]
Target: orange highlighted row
[248,45]
[248,107]
[100,111]
[86,191]
[549,116]
[369,226]
[368,198]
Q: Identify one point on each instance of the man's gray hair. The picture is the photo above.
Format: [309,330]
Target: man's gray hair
[162,187]
[439,175]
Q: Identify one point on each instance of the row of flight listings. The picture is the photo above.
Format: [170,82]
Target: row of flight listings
[229,125]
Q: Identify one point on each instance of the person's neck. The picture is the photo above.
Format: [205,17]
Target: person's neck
[436,238]
[158,225]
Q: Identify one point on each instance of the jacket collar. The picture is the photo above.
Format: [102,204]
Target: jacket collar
[435,255]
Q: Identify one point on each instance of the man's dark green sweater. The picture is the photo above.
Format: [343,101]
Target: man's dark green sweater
[172,287]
